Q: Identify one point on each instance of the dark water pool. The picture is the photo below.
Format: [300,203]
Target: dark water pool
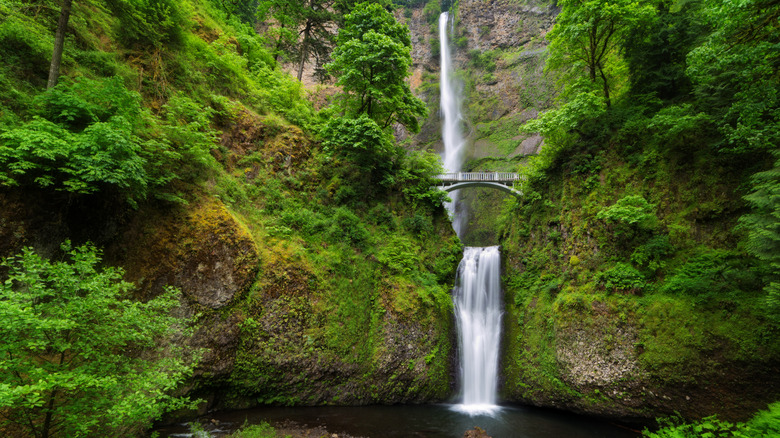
[429,421]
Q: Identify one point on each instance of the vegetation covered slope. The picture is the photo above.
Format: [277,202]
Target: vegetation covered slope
[173,140]
[641,264]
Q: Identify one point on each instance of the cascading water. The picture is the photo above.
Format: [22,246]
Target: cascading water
[451,131]
[478,285]
[478,312]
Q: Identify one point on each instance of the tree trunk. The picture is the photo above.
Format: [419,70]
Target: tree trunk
[606,87]
[59,40]
[304,47]
[278,49]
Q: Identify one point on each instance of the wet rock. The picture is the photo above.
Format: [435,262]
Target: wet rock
[477,432]
[202,249]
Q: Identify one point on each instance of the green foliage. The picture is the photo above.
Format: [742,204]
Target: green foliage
[678,128]
[622,278]
[632,211]
[84,102]
[361,140]
[557,127]
[187,126]
[416,179]
[764,424]
[149,23]
[431,11]
[418,224]
[734,74]
[483,60]
[79,358]
[653,253]
[262,430]
[399,254]
[348,228]
[697,275]
[371,61]
[25,51]
[763,230]
[588,34]
[89,142]
[304,28]
[45,154]
[657,54]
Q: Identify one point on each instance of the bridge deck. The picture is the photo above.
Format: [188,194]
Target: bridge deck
[499,177]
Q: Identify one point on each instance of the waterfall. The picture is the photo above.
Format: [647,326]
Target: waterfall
[451,131]
[478,312]
[477,292]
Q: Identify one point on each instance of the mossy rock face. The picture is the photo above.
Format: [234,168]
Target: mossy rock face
[200,248]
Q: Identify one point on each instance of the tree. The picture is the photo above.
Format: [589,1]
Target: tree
[657,54]
[78,358]
[590,32]
[303,27]
[735,75]
[372,60]
[316,38]
[59,42]
[763,230]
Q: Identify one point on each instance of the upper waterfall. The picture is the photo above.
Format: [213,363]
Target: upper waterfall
[450,90]
[451,133]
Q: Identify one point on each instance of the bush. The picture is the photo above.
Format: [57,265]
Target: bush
[262,430]
[360,140]
[630,211]
[764,424]
[622,278]
[149,23]
[431,11]
[348,228]
[653,253]
[84,102]
[84,143]
[399,254]
[24,51]
[703,274]
[78,358]
[104,155]
[418,224]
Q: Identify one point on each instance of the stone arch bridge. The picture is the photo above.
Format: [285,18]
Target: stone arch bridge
[503,181]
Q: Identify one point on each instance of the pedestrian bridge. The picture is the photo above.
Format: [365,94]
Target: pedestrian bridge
[503,181]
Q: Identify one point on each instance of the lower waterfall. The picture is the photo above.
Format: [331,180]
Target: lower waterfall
[478,313]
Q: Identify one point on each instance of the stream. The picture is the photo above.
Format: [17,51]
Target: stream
[429,421]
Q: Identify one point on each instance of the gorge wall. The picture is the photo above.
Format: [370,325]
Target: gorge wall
[572,339]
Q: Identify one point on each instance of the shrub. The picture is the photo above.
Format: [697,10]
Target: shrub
[622,278]
[630,211]
[653,253]
[78,358]
[399,254]
[262,430]
[149,23]
[86,101]
[431,11]
[418,224]
[764,424]
[105,154]
[347,228]
[701,275]
[83,141]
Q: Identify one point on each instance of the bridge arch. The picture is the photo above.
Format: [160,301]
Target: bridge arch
[503,181]
[492,185]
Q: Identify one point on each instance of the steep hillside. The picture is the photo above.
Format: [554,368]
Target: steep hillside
[309,281]
[630,290]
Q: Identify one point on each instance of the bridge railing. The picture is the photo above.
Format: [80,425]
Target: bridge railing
[503,177]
